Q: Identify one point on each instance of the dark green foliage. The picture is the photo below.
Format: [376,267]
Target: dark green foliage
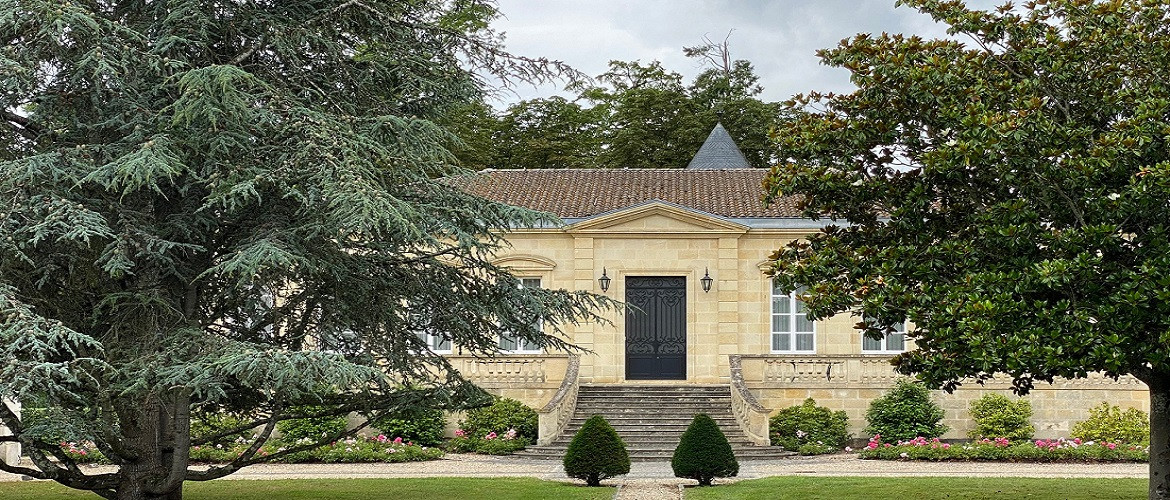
[904,413]
[1003,189]
[422,426]
[596,453]
[639,115]
[312,428]
[216,428]
[809,424]
[1108,423]
[997,416]
[234,206]
[501,416]
[703,453]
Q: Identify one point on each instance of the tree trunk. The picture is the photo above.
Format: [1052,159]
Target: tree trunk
[1159,437]
[146,432]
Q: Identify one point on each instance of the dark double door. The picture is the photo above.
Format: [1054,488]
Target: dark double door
[656,328]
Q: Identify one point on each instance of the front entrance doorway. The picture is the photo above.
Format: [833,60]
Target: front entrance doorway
[656,328]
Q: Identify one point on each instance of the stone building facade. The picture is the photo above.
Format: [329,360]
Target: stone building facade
[654,236]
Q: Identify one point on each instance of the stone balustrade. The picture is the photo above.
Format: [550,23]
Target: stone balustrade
[867,371]
[555,415]
[513,371]
[10,452]
[817,370]
[751,415]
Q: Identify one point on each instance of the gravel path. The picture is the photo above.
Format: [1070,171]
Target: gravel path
[654,480]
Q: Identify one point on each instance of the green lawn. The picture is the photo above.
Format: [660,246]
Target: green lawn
[924,488]
[344,489]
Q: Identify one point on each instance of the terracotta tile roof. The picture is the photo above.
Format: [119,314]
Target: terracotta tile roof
[578,193]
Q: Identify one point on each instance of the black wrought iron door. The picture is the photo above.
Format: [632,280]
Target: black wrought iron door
[656,328]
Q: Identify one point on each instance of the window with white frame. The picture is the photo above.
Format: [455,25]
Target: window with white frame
[437,343]
[515,345]
[792,331]
[893,342]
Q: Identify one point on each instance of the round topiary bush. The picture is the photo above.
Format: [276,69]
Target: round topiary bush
[997,416]
[500,417]
[421,426]
[808,424]
[905,413]
[1108,423]
[310,428]
[596,452]
[703,453]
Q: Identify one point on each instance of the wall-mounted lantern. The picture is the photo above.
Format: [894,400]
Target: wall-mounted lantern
[603,281]
[706,280]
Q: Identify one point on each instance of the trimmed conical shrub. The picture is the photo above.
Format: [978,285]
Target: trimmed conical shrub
[703,453]
[596,453]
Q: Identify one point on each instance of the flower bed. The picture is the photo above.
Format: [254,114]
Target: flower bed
[1002,449]
[490,444]
[352,450]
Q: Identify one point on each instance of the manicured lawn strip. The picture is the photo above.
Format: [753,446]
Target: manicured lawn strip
[344,489]
[962,488]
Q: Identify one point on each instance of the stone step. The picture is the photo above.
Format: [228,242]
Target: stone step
[652,418]
[651,404]
[726,425]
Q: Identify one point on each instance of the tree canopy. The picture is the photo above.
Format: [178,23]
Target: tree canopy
[635,115]
[1006,190]
[228,205]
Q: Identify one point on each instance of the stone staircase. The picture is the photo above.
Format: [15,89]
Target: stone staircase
[651,418]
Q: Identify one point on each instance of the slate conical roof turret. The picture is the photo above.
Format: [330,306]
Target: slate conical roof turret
[719,152]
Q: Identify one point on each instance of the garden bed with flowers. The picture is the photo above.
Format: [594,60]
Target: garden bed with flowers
[1003,449]
[379,449]
[491,443]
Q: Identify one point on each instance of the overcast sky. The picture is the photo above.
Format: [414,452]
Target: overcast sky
[779,37]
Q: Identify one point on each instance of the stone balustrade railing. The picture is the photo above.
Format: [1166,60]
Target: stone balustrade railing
[513,370]
[555,415]
[9,452]
[814,370]
[861,370]
[751,415]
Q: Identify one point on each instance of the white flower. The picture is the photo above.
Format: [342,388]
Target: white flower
[848,448]
[1113,196]
[904,455]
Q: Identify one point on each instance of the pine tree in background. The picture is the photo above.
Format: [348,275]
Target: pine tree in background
[230,205]
[703,453]
[596,453]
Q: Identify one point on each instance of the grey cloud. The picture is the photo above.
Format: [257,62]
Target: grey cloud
[779,37]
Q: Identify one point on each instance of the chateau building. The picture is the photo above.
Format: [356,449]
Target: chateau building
[687,249]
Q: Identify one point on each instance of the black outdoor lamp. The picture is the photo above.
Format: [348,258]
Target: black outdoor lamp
[603,281]
[705,280]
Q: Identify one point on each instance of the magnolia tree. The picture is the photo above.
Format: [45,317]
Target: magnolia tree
[1006,189]
[231,206]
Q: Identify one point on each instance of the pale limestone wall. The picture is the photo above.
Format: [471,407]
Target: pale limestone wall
[9,452]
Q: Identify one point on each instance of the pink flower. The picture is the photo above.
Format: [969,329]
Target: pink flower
[946,446]
[460,433]
[1111,445]
[381,438]
[398,440]
[490,436]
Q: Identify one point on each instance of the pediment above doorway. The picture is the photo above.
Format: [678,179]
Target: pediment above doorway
[659,218]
